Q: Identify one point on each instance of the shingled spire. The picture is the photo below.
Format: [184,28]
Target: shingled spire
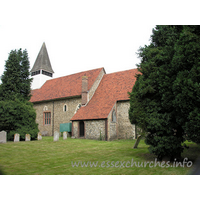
[42,69]
[42,62]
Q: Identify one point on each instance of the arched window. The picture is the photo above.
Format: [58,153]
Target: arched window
[45,108]
[113,116]
[65,108]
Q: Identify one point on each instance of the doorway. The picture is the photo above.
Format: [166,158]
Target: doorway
[81,129]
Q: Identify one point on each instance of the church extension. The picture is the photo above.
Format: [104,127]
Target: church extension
[92,103]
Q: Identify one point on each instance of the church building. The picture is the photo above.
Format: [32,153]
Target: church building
[89,104]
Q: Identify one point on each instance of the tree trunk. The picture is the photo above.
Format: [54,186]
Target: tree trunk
[137,142]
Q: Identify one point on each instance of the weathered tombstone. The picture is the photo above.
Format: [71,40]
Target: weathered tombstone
[44,133]
[56,136]
[137,141]
[28,137]
[64,135]
[16,137]
[3,137]
[39,137]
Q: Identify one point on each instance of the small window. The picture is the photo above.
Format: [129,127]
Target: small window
[113,116]
[65,108]
[45,108]
[35,73]
[46,73]
[47,118]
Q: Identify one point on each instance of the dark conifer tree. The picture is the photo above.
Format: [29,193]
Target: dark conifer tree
[16,111]
[165,99]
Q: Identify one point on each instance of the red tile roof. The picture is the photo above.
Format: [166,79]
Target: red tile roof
[67,86]
[113,87]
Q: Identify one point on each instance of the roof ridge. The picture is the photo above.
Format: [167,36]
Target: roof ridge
[122,71]
[75,73]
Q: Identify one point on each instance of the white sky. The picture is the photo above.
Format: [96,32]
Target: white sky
[82,35]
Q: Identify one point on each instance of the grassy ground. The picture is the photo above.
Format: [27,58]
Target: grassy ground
[48,157]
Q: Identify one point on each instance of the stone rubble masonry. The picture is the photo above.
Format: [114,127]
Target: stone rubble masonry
[3,137]
[112,126]
[119,129]
[57,112]
[126,130]
[93,128]
[75,127]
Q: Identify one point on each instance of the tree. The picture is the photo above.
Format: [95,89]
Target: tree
[165,98]
[16,111]
[15,79]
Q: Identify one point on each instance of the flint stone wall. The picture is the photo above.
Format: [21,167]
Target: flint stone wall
[93,129]
[60,116]
[112,125]
[125,129]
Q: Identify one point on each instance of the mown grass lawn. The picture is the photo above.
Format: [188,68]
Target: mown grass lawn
[46,157]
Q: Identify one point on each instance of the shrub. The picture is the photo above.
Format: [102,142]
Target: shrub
[18,117]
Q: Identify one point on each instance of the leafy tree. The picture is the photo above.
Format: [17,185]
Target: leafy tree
[16,111]
[165,98]
[18,117]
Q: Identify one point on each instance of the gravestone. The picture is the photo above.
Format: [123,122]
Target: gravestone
[16,137]
[64,135]
[39,137]
[44,133]
[3,137]
[28,137]
[56,136]
[137,142]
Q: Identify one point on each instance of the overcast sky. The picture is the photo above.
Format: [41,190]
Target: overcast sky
[82,35]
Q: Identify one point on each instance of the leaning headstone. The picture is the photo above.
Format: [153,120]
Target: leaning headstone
[3,137]
[16,137]
[56,136]
[28,137]
[39,137]
[137,142]
[64,135]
